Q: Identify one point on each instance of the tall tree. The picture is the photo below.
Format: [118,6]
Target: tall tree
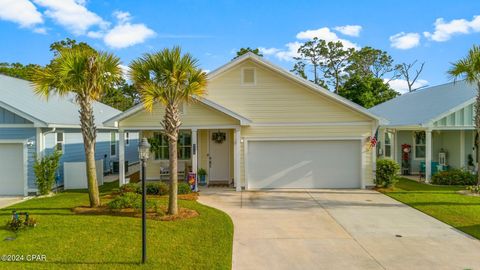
[171,78]
[369,61]
[406,71]
[468,68]
[18,70]
[86,74]
[367,91]
[122,96]
[330,59]
[243,51]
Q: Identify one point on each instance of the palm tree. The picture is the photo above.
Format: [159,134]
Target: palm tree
[85,74]
[468,68]
[172,79]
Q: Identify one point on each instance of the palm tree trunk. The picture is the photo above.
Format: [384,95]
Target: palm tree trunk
[477,124]
[89,134]
[171,124]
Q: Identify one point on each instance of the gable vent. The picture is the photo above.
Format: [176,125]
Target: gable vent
[248,76]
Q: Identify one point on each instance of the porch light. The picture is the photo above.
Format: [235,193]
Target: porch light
[144,149]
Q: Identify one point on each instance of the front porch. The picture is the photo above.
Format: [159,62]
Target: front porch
[214,149]
[432,150]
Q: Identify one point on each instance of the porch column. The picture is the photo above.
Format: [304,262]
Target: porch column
[236,160]
[195,156]
[428,155]
[374,151]
[121,158]
[462,149]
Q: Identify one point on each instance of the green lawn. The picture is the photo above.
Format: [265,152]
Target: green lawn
[110,242]
[442,203]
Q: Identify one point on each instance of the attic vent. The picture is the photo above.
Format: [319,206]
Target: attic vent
[248,76]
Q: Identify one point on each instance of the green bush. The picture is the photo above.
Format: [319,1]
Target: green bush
[454,177]
[157,188]
[474,189]
[126,200]
[130,200]
[44,169]
[130,187]
[184,188]
[386,174]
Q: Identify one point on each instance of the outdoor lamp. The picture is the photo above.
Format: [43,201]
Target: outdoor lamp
[144,149]
[143,153]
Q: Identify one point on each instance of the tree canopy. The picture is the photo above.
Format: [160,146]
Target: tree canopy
[243,51]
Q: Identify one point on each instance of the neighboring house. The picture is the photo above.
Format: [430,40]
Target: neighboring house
[32,126]
[438,123]
[260,126]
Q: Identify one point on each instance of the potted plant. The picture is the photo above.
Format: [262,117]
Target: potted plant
[202,173]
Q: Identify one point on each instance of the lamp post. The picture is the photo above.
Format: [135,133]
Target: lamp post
[144,152]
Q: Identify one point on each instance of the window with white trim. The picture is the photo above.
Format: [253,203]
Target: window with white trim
[113,144]
[59,140]
[184,146]
[127,139]
[388,145]
[419,145]
[248,76]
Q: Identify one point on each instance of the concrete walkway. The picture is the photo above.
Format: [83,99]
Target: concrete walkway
[9,200]
[338,229]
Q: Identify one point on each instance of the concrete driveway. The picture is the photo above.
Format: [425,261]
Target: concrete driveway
[9,200]
[338,229]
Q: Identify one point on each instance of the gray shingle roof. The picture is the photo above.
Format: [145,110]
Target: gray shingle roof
[421,106]
[18,94]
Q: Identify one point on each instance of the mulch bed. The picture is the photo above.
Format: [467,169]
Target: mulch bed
[183,213]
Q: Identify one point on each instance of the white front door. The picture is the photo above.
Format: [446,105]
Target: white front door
[219,156]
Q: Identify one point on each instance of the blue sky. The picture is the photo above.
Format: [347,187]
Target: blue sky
[434,32]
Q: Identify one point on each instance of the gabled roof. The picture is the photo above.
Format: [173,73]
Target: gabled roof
[139,107]
[421,107]
[17,96]
[310,85]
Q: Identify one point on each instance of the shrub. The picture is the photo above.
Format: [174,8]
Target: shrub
[44,169]
[130,200]
[157,188]
[126,200]
[474,189]
[454,177]
[184,188]
[130,187]
[387,170]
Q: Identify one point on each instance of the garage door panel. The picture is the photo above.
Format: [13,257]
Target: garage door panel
[303,164]
[12,169]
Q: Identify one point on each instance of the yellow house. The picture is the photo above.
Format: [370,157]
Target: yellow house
[260,126]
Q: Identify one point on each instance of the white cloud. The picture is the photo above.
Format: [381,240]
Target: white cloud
[349,30]
[291,50]
[126,34]
[445,30]
[401,85]
[405,41]
[125,70]
[22,12]
[72,14]
[326,34]
[40,30]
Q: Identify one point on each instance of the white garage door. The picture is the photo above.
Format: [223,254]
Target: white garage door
[303,164]
[11,169]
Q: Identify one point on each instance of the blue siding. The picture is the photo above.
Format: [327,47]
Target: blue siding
[131,150]
[7,117]
[23,134]
[73,150]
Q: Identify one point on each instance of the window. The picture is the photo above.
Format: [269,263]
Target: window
[59,140]
[113,144]
[248,76]
[127,139]
[389,145]
[184,146]
[419,145]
